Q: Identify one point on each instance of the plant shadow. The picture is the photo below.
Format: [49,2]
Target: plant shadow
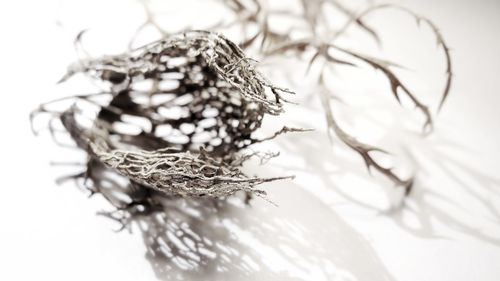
[449,190]
[227,239]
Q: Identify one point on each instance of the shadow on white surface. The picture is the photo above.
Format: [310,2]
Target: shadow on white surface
[210,239]
[451,188]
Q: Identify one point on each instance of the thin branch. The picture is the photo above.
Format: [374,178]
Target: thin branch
[395,83]
[439,37]
[361,148]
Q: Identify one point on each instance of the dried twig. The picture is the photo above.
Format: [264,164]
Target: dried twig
[206,93]
[313,17]
[362,149]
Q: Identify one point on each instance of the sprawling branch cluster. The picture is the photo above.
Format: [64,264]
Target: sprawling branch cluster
[320,38]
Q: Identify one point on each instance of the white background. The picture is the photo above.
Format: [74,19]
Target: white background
[333,221]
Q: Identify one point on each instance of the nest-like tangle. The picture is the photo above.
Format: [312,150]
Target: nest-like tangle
[195,101]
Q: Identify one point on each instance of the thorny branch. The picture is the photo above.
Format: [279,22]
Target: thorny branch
[194,122]
[361,148]
[313,18]
[419,18]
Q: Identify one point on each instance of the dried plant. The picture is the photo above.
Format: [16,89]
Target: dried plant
[197,100]
[177,116]
[319,40]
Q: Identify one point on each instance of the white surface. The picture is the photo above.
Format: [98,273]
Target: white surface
[448,230]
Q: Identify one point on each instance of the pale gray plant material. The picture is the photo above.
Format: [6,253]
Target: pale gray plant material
[321,39]
[220,99]
[217,78]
